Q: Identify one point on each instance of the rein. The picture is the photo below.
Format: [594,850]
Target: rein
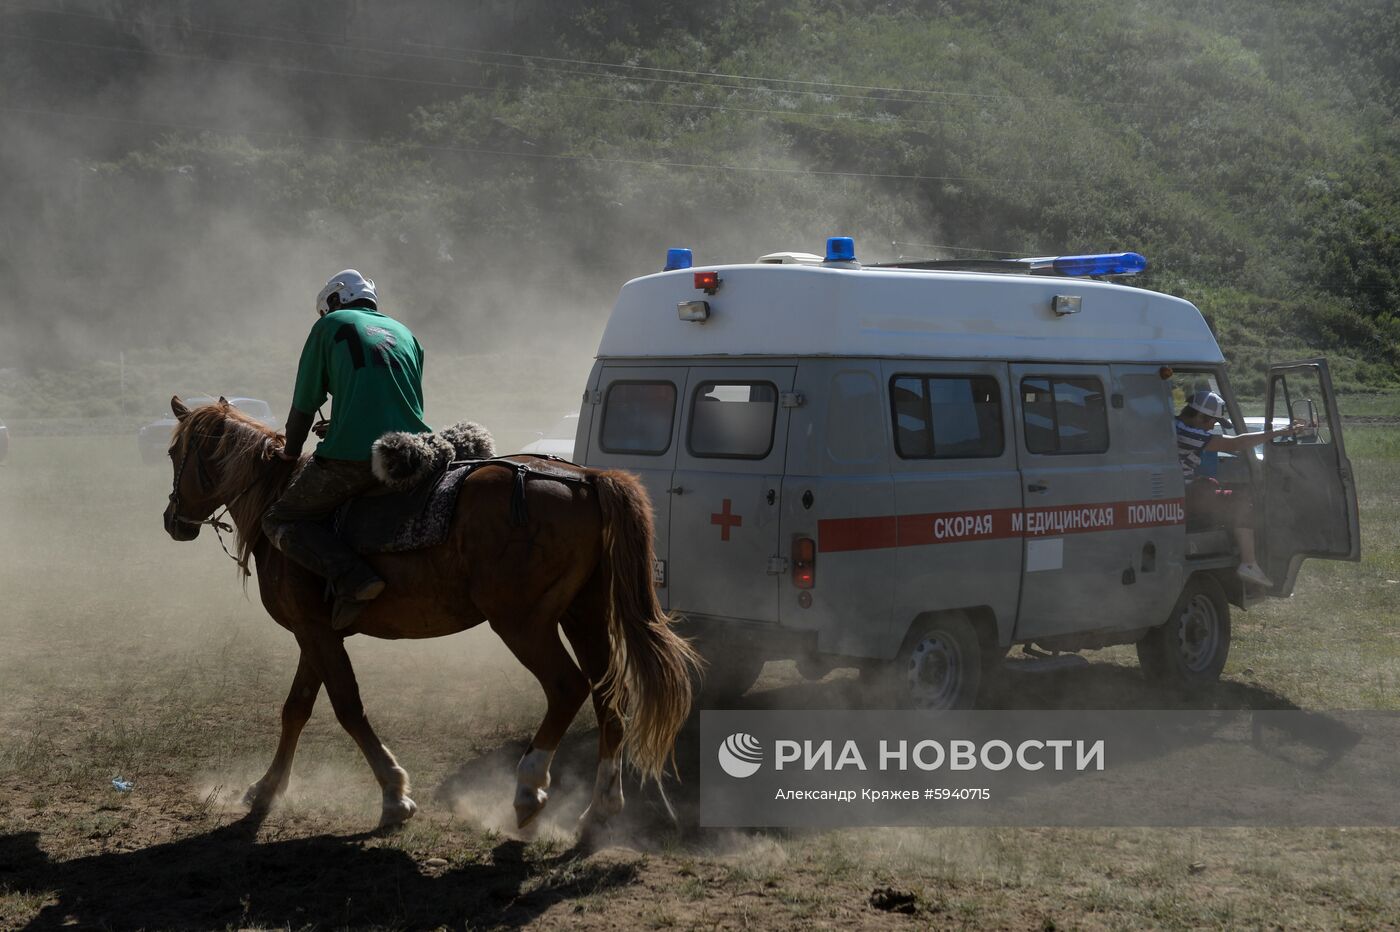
[213,520]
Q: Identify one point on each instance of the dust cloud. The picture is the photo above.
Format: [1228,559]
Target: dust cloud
[169,218]
[134,234]
[180,187]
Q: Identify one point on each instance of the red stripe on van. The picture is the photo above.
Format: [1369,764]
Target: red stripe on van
[835,535]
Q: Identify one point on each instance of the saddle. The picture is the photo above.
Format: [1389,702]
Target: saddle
[422,476]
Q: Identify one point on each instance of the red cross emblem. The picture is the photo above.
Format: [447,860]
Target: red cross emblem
[725,520]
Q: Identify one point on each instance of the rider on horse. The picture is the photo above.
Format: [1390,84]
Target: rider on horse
[372,366]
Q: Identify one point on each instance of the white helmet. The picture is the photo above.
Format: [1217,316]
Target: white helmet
[347,286]
[1208,403]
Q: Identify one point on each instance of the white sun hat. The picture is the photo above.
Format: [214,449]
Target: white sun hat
[1208,403]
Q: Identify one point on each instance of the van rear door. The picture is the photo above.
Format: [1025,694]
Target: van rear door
[637,428]
[724,494]
[1309,489]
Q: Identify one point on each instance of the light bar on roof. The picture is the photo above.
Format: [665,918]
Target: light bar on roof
[1108,263]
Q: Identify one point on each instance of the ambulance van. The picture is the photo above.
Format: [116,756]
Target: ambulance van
[912,468]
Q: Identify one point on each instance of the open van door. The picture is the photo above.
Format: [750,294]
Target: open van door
[1309,488]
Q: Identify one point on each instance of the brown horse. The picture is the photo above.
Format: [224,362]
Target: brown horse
[582,562]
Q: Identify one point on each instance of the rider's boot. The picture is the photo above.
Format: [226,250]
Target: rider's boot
[322,551]
[353,592]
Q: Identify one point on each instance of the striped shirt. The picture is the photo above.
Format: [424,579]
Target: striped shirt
[1190,442]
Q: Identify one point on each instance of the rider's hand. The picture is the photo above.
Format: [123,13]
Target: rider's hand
[277,447]
[320,428]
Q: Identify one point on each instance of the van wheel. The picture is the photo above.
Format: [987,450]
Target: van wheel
[1189,650]
[726,679]
[942,666]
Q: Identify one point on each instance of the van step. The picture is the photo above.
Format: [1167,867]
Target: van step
[1054,664]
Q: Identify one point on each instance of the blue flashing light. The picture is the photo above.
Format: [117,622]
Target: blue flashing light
[678,258]
[1112,263]
[840,249]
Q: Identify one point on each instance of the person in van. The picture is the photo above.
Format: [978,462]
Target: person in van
[1205,498]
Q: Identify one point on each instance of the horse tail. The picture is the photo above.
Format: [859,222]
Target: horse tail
[650,667]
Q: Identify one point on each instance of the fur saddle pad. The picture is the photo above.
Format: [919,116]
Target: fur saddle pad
[423,474]
[404,461]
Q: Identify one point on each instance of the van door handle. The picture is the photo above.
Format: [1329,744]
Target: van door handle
[675,491]
[1037,487]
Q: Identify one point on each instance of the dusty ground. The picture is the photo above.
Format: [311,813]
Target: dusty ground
[125,654]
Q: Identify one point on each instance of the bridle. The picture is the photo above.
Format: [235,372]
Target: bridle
[213,520]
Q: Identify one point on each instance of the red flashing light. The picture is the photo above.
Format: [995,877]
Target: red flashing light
[804,562]
[707,282]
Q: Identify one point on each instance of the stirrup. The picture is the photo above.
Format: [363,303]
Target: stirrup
[365,591]
[347,606]
[345,612]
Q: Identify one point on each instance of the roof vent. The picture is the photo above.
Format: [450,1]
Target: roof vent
[790,258]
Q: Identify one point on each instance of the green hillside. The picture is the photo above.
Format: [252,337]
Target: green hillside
[511,164]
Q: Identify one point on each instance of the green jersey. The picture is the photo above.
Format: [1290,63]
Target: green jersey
[372,366]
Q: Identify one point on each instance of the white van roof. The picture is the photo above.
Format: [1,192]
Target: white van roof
[792,309]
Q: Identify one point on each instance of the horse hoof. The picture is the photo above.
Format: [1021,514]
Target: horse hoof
[591,832]
[397,812]
[528,804]
[525,819]
[259,798]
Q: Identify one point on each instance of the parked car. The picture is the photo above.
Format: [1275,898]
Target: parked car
[1253,425]
[4,441]
[153,440]
[558,440]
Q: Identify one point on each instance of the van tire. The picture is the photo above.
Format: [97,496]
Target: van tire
[941,666]
[1188,651]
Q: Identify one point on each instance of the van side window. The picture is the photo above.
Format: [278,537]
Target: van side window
[1064,415]
[637,418]
[946,417]
[733,419]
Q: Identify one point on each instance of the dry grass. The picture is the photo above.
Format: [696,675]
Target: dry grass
[107,669]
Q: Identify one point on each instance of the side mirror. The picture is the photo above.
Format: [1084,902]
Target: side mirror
[1304,410]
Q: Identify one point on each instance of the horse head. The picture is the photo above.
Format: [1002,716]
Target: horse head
[196,490]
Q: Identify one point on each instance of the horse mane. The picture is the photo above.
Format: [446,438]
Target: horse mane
[250,473]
